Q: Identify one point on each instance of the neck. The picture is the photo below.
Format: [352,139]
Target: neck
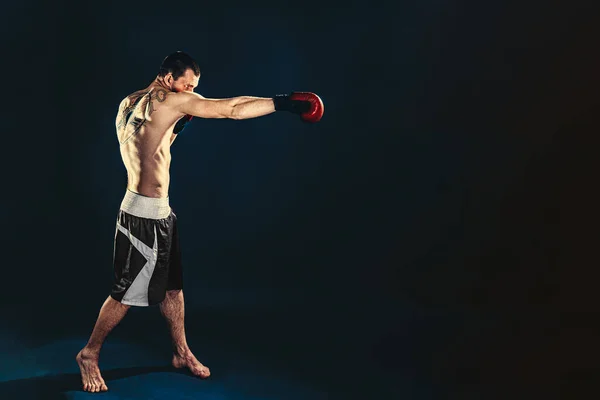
[159,80]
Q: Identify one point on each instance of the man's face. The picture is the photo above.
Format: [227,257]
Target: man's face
[186,82]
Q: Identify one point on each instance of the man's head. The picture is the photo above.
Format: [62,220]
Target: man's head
[180,72]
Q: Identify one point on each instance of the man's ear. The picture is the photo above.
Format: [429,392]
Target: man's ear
[169,79]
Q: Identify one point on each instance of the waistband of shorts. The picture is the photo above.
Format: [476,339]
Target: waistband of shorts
[145,207]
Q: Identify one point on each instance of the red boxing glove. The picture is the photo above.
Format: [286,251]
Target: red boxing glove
[308,105]
[315,112]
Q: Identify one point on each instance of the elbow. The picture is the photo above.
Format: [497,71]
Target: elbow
[234,112]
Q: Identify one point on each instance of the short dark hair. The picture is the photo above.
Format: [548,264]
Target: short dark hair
[177,63]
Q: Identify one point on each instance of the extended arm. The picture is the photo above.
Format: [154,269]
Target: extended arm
[306,104]
[242,107]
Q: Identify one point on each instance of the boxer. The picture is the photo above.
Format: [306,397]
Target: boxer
[147,256]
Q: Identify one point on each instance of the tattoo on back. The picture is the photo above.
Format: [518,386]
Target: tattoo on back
[145,99]
[160,95]
[137,124]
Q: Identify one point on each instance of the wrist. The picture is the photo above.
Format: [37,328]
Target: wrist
[282,102]
[287,102]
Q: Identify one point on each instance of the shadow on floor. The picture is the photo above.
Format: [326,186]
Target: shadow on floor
[54,387]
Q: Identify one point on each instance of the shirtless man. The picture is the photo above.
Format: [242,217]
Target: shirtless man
[147,264]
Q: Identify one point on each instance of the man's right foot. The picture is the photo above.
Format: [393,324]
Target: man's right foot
[190,361]
[90,373]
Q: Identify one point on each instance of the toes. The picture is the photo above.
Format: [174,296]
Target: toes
[98,385]
[202,372]
[104,388]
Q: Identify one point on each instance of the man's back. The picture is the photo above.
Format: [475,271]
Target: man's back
[145,131]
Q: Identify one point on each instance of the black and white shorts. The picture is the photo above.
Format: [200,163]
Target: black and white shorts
[147,256]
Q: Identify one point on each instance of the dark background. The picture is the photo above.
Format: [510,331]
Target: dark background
[434,233]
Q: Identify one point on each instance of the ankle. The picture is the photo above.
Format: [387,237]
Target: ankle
[90,352]
[182,351]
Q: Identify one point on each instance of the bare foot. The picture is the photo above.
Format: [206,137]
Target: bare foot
[90,373]
[195,366]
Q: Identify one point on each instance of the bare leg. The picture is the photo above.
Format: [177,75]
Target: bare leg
[172,308]
[111,313]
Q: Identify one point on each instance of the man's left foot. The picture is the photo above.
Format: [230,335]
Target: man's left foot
[190,361]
